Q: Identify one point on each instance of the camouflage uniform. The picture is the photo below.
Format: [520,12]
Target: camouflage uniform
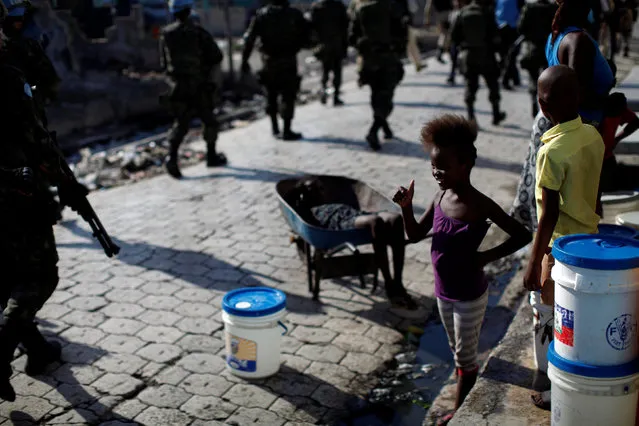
[379,33]
[189,54]
[474,33]
[28,257]
[329,21]
[534,26]
[283,32]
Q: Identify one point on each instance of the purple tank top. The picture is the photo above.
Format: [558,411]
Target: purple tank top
[458,277]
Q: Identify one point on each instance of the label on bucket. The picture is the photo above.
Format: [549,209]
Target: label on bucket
[564,325]
[621,332]
[241,353]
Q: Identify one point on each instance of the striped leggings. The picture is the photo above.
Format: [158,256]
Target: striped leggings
[462,321]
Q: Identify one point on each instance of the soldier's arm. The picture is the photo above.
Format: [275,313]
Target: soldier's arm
[212,55]
[456,31]
[18,114]
[524,22]
[355,30]
[344,26]
[164,60]
[249,39]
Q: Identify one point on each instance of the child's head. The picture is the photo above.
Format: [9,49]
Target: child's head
[450,141]
[616,104]
[558,89]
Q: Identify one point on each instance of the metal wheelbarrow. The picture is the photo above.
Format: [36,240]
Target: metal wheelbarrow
[322,249]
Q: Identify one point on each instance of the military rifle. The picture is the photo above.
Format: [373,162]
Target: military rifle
[85,210]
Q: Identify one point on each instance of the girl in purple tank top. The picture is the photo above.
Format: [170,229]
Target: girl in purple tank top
[459,218]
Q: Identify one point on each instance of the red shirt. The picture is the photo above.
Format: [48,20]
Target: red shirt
[609,129]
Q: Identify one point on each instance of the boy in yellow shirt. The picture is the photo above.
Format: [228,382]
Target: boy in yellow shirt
[568,171]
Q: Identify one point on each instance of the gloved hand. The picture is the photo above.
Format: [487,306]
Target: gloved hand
[72,194]
[22,180]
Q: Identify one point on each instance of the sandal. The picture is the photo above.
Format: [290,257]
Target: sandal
[541,400]
[443,421]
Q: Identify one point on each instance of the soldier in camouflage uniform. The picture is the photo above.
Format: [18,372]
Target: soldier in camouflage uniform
[379,34]
[26,52]
[329,21]
[189,54]
[534,26]
[28,55]
[28,257]
[474,33]
[283,32]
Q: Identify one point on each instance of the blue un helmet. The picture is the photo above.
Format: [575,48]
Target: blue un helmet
[176,6]
[16,8]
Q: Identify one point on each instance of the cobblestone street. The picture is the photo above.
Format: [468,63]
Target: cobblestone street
[143,334]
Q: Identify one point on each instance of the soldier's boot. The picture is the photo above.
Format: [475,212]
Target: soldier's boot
[470,108]
[324,96]
[40,353]
[372,138]
[288,134]
[388,133]
[172,161]
[275,125]
[336,100]
[214,158]
[9,339]
[440,53]
[498,116]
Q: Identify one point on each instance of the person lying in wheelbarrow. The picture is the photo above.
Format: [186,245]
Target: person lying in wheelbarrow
[386,228]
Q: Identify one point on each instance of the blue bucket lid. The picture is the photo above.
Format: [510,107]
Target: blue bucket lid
[617,230]
[581,369]
[603,252]
[254,301]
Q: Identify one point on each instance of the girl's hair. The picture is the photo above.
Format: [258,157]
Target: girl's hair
[570,12]
[452,131]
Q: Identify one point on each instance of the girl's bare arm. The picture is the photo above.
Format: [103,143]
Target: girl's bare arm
[519,236]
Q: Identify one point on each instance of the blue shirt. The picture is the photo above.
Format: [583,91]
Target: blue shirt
[602,80]
[507,13]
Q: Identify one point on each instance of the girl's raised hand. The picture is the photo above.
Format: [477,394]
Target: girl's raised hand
[403,196]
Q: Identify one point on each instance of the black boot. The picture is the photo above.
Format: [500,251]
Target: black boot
[336,100]
[471,112]
[440,53]
[172,167]
[388,133]
[275,125]
[372,138]
[324,97]
[172,160]
[535,109]
[498,116]
[213,158]
[9,332]
[40,353]
[288,134]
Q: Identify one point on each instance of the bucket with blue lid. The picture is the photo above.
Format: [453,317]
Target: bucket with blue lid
[596,285]
[253,330]
[617,230]
[583,394]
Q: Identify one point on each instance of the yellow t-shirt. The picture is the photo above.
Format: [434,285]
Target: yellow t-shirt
[570,162]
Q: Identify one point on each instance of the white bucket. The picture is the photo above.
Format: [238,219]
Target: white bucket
[543,330]
[253,331]
[615,203]
[629,219]
[596,284]
[582,395]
